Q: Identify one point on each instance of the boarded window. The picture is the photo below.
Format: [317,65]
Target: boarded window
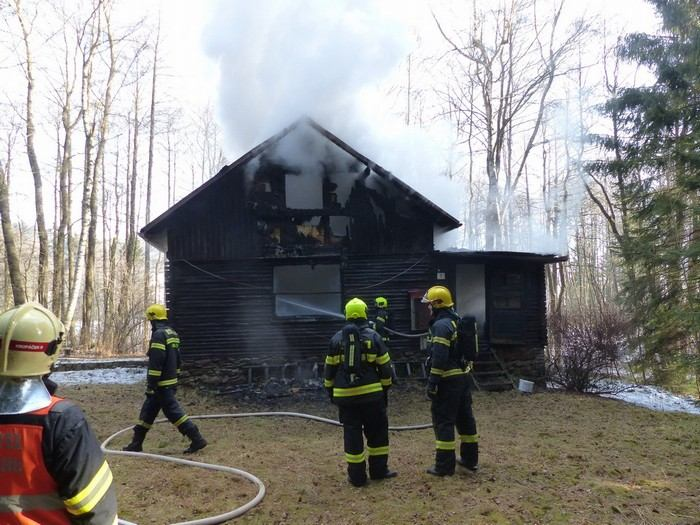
[507,316]
[307,291]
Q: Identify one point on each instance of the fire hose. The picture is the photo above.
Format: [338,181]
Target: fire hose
[238,511]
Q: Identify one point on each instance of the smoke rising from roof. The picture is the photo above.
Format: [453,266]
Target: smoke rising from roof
[282,60]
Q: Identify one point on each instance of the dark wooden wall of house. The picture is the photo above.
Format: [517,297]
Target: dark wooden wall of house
[224,310]
[392,277]
[234,218]
[518,337]
[215,226]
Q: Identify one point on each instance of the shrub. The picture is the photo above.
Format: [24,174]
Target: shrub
[586,345]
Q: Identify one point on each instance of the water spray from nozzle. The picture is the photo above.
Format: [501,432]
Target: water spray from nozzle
[312,308]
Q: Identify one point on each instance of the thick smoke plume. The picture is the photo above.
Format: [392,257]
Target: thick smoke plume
[328,60]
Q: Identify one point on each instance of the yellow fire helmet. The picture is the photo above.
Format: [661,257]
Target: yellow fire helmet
[156,312]
[438,297]
[30,339]
[355,309]
[381,302]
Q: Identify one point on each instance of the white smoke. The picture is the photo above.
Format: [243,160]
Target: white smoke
[280,60]
[328,60]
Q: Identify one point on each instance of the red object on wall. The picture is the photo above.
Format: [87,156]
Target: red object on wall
[420,315]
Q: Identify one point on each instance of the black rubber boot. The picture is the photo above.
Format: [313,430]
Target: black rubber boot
[378,468]
[136,444]
[357,475]
[470,456]
[434,471]
[385,475]
[197,442]
[444,463]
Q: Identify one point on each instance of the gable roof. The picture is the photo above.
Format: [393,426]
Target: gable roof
[442,218]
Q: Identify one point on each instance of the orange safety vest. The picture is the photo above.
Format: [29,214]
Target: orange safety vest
[28,493]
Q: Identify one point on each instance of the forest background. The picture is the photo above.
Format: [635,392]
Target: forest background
[543,127]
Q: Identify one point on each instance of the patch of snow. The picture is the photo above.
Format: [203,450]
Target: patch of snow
[655,398]
[651,397]
[133,359]
[101,376]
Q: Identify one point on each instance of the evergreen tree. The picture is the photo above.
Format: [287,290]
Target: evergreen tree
[657,169]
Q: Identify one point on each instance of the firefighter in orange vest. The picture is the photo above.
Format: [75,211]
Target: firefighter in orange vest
[52,469]
[163,369]
[357,373]
[448,389]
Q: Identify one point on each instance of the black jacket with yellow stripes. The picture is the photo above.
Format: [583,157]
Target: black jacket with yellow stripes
[163,356]
[373,372]
[445,359]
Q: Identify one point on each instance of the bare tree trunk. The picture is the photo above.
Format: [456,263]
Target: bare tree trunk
[93,31]
[11,253]
[102,131]
[149,176]
[131,225]
[42,280]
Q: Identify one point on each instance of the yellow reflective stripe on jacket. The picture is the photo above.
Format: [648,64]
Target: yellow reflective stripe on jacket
[155,373]
[378,451]
[172,340]
[327,383]
[85,500]
[447,373]
[445,445]
[357,390]
[337,359]
[168,382]
[381,319]
[383,359]
[385,382]
[355,458]
[469,438]
[441,341]
[158,346]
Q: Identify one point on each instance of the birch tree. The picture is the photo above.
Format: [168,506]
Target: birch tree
[8,234]
[43,259]
[511,57]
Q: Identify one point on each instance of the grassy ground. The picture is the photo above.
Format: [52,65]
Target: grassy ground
[549,458]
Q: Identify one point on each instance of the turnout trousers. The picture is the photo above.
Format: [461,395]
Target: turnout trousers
[453,408]
[371,419]
[163,399]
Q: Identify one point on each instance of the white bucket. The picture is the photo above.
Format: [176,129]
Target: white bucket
[525,386]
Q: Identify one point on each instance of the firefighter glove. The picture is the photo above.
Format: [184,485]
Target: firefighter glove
[432,390]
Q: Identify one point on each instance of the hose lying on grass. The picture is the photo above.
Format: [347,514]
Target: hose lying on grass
[212,520]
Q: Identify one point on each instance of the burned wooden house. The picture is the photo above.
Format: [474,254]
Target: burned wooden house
[262,257]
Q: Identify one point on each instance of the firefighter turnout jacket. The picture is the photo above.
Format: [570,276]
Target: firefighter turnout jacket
[358,366]
[52,469]
[445,359]
[381,323]
[163,356]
